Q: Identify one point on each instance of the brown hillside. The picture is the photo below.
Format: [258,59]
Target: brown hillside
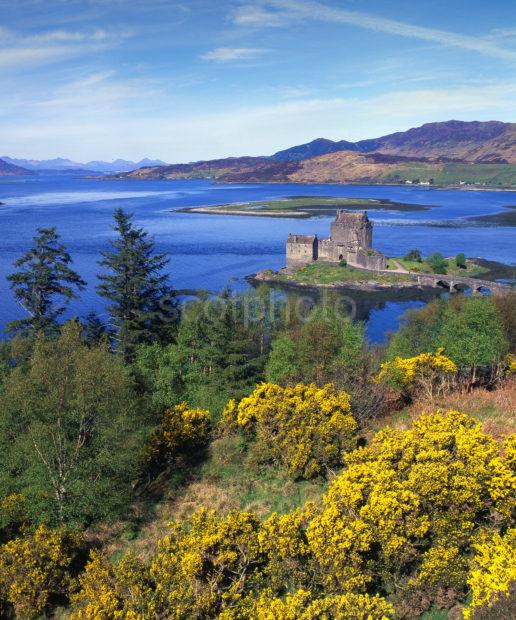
[347,167]
[474,142]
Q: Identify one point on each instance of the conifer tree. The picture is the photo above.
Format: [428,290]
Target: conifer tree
[44,282]
[94,330]
[143,306]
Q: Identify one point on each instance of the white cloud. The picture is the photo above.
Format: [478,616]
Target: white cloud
[228,54]
[317,11]
[257,17]
[65,35]
[52,46]
[109,124]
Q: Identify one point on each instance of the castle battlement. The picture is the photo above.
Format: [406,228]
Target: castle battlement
[351,238]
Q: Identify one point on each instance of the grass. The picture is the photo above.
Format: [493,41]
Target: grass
[454,174]
[472,268]
[330,273]
[494,409]
[228,480]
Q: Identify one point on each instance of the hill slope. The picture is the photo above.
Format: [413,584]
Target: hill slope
[472,142]
[7,169]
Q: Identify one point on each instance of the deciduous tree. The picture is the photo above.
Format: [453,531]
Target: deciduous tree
[70,433]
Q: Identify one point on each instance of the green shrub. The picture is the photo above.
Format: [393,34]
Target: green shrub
[413,255]
[438,263]
[460,260]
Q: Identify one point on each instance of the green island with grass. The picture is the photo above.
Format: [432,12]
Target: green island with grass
[333,274]
[401,272]
[303,206]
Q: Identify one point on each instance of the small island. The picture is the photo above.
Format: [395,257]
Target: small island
[303,206]
[347,260]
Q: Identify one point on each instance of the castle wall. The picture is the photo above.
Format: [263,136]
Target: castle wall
[331,251]
[301,250]
[355,232]
[367,260]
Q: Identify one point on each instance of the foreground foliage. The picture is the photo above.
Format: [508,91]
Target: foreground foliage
[182,432]
[37,570]
[493,571]
[303,428]
[411,522]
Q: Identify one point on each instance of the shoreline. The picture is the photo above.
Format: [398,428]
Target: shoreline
[215,210]
[364,183]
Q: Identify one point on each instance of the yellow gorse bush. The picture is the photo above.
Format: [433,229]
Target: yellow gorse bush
[304,428]
[182,431]
[302,606]
[35,569]
[405,517]
[493,570]
[113,591]
[208,565]
[425,371]
[411,504]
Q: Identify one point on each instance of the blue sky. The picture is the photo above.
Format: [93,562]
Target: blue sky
[101,79]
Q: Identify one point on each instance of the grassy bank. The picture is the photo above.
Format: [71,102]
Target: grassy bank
[451,174]
[330,273]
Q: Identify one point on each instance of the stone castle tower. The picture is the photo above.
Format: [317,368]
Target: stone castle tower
[351,238]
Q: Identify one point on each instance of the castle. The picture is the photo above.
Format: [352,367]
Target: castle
[351,237]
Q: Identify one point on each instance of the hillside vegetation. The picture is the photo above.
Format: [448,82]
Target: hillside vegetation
[245,456]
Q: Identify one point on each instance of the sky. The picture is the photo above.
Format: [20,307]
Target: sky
[201,79]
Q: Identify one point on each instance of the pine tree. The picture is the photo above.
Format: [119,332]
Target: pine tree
[143,306]
[94,330]
[44,283]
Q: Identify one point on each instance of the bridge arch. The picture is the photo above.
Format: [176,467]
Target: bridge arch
[443,284]
[483,289]
[463,287]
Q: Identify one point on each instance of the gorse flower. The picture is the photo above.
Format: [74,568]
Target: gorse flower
[183,431]
[404,517]
[493,570]
[304,428]
[425,372]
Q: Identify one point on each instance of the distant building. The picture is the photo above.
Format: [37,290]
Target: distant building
[351,237]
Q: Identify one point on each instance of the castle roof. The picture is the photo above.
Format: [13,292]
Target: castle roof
[351,217]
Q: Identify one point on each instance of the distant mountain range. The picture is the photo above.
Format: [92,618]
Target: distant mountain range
[473,142]
[8,169]
[447,153]
[61,165]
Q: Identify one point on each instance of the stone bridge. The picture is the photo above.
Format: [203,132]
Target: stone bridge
[452,283]
[458,283]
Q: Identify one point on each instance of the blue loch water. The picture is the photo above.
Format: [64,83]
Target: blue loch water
[215,251]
